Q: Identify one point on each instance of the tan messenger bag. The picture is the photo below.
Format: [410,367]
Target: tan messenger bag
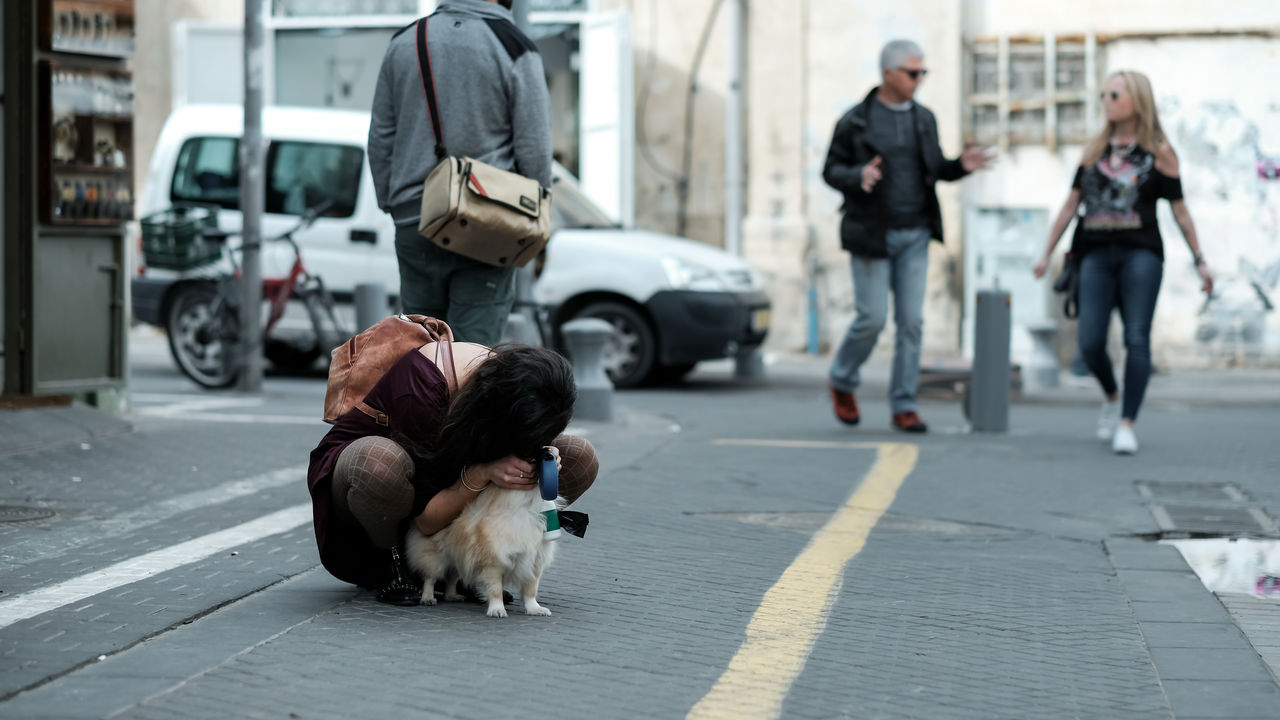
[473,209]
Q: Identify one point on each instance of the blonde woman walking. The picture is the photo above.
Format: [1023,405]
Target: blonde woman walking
[1124,171]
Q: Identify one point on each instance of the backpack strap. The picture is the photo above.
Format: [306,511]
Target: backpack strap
[378,416]
[444,359]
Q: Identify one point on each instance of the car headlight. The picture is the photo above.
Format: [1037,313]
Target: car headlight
[685,275]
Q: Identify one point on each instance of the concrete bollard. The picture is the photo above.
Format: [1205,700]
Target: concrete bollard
[988,400]
[585,339]
[748,363]
[371,305]
[1041,371]
[519,330]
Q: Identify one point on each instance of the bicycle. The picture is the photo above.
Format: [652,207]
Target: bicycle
[203,321]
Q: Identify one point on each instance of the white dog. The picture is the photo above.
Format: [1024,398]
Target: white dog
[496,541]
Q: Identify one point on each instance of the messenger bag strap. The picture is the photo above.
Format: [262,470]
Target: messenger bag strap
[429,88]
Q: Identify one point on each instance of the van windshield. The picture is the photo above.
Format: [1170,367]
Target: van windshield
[572,209]
[300,175]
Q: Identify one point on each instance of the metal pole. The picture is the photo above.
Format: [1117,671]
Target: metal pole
[525,306]
[252,198]
[733,130]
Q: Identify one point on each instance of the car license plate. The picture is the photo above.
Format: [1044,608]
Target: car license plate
[760,319]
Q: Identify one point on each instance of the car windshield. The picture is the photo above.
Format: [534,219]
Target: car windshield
[572,209]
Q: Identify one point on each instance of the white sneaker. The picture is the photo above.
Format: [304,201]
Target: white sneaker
[1125,442]
[1108,420]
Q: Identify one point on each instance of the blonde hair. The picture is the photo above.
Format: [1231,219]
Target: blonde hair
[1149,133]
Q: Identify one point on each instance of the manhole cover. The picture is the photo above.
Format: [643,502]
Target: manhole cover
[13,513]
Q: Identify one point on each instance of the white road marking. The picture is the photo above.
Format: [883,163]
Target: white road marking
[30,604]
[43,546]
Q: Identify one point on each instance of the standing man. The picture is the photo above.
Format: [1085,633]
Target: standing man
[885,160]
[494,107]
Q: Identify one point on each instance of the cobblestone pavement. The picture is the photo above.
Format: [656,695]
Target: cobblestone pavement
[1011,575]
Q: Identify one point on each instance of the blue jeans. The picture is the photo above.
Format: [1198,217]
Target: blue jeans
[904,273]
[1127,278]
[474,298]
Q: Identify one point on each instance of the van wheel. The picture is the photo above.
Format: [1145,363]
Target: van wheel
[672,374]
[629,355]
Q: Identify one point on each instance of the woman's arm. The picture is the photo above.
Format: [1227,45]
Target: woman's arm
[1067,212]
[1167,163]
[509,472]
[1188,228]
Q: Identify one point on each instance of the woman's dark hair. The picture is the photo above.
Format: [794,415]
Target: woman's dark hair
[516,401]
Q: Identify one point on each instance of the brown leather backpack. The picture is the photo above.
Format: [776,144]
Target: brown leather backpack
[360,362]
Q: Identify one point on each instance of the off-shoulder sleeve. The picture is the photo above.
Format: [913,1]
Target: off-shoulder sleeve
[1169,188]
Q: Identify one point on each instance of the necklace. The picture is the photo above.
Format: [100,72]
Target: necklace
[1120,153]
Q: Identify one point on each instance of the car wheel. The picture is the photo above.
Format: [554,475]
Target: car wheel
[201,335]
[629,355]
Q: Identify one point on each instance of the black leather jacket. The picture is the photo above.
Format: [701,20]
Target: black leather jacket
[862,229]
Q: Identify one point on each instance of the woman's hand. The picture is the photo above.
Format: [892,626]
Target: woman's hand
[1206,279]
[510,473]
[1041,267]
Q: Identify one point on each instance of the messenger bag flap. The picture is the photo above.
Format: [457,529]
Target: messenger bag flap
[509,189]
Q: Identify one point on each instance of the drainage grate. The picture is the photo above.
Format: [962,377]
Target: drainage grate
[1213,520]
[14,513]
[1223,492]
[1204,509]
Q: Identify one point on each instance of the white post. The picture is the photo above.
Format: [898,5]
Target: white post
[734,170]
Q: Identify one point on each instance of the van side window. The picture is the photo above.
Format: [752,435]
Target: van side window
[299,175]
[302,175]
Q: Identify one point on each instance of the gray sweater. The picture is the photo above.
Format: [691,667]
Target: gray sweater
[492,96]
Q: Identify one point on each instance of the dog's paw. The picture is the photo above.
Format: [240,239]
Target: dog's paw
[429,600]
[535,609]
[496,611]
[454,597]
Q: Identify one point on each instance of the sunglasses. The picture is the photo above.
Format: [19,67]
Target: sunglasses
[1112,94]
[913,74]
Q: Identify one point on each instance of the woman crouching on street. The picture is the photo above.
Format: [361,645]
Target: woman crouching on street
[436,452]
[1124,171]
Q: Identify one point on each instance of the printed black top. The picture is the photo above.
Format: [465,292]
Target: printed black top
[1120,201]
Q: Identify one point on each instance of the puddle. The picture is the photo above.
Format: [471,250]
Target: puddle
[1238,566]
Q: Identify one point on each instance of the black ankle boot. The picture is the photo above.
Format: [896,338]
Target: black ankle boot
[401,589]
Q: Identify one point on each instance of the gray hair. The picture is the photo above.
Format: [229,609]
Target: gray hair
[897,52]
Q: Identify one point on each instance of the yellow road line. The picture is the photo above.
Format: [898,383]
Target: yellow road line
[794,611]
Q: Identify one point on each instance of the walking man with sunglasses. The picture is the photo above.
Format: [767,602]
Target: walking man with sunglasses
[885,159]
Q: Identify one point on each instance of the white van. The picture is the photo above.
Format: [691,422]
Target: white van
[673,301]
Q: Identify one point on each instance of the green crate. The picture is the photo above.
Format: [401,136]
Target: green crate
[174,239]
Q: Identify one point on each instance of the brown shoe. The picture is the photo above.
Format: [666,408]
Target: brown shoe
[846,407]
[909,422]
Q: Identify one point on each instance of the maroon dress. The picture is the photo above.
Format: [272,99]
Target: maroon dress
[415,396]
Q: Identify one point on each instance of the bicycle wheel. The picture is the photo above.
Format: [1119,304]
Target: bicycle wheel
[203,332]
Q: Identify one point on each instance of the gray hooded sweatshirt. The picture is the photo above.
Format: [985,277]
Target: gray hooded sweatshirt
[492,96]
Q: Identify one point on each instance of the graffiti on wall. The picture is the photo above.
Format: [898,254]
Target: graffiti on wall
[1230,184]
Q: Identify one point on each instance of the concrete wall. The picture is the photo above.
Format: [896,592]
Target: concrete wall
[153,83]
[666,35]
[1012,17]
